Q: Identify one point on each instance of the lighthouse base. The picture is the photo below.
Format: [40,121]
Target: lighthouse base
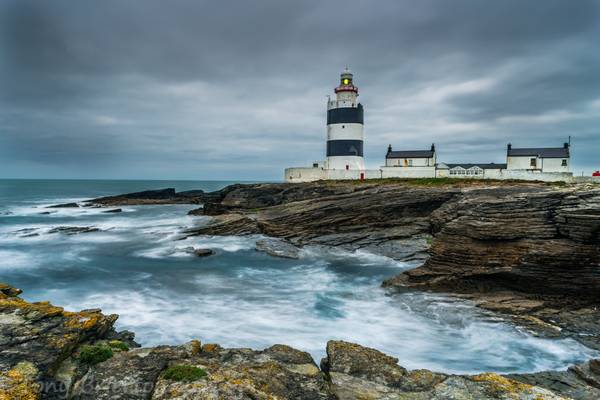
[345,163]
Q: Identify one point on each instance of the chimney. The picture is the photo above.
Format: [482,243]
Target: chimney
[509,146]
[433,147]
[566,145]
[389,149]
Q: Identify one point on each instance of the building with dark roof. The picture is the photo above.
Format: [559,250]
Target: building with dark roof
[539,159]
[409,163]
[410,158]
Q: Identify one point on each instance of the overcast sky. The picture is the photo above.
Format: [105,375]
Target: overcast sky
[237,89]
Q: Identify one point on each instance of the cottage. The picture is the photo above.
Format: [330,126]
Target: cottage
[410,158]
[409,163]
[548,159]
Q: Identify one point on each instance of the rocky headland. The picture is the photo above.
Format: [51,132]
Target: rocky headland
[527,250]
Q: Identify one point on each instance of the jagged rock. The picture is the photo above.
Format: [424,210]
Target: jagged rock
[358,372]
[534,256]
[531,240]
[203,252]
[350,216]
[65,205]
[578,382]
[39,358]
[278,248]
[196,211]
[20,382]
[127,375]
[43,334]
[160,196]
[73,230]
[9,291]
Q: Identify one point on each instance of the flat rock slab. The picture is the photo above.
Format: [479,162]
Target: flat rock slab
[73,230]
[65,205]
[278,248]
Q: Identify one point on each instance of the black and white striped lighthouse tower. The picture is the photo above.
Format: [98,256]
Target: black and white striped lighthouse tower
[345,121]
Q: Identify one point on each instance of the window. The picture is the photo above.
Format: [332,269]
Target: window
[410,163]
[564,163]
[533,162]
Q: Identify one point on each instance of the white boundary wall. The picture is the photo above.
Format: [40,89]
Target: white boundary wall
[408,172]
[308,174]
[304,174]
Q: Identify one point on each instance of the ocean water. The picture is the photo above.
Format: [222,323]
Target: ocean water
[135,266]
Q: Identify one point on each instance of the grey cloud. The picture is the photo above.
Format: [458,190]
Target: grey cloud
[181,89]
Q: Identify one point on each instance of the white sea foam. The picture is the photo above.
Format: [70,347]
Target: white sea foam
[13,259]
[308,304]
[168,247]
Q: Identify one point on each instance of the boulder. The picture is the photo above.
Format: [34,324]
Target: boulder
[203,252]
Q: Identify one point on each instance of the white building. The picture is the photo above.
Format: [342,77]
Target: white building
[345,139]
[470,170]
[540,160]
[409,163]
[345,142]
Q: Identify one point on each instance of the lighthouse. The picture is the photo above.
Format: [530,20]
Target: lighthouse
[345,121]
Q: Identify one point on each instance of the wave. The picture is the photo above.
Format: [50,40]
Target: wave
[168,247]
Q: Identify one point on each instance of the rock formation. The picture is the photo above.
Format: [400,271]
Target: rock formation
[530,250]
[42,349]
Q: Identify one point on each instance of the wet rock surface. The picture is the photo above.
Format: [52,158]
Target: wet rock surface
[202,252]
[114,210]
[73,230]
[65,205]
[278,248]
[534,256]
[383,218]
[160,196]
[41,349]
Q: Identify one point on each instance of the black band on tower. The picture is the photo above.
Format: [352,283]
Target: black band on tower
[345,115]
[344,148]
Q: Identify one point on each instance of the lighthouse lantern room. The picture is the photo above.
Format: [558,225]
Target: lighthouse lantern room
[345,121]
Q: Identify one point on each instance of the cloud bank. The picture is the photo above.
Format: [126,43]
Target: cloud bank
[237,90]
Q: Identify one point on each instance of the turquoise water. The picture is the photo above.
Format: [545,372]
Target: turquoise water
[135,266]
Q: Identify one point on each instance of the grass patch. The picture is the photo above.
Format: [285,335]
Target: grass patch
[118,345]
[184,373]
[95,354]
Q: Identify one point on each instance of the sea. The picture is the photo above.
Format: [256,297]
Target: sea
[137,266]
